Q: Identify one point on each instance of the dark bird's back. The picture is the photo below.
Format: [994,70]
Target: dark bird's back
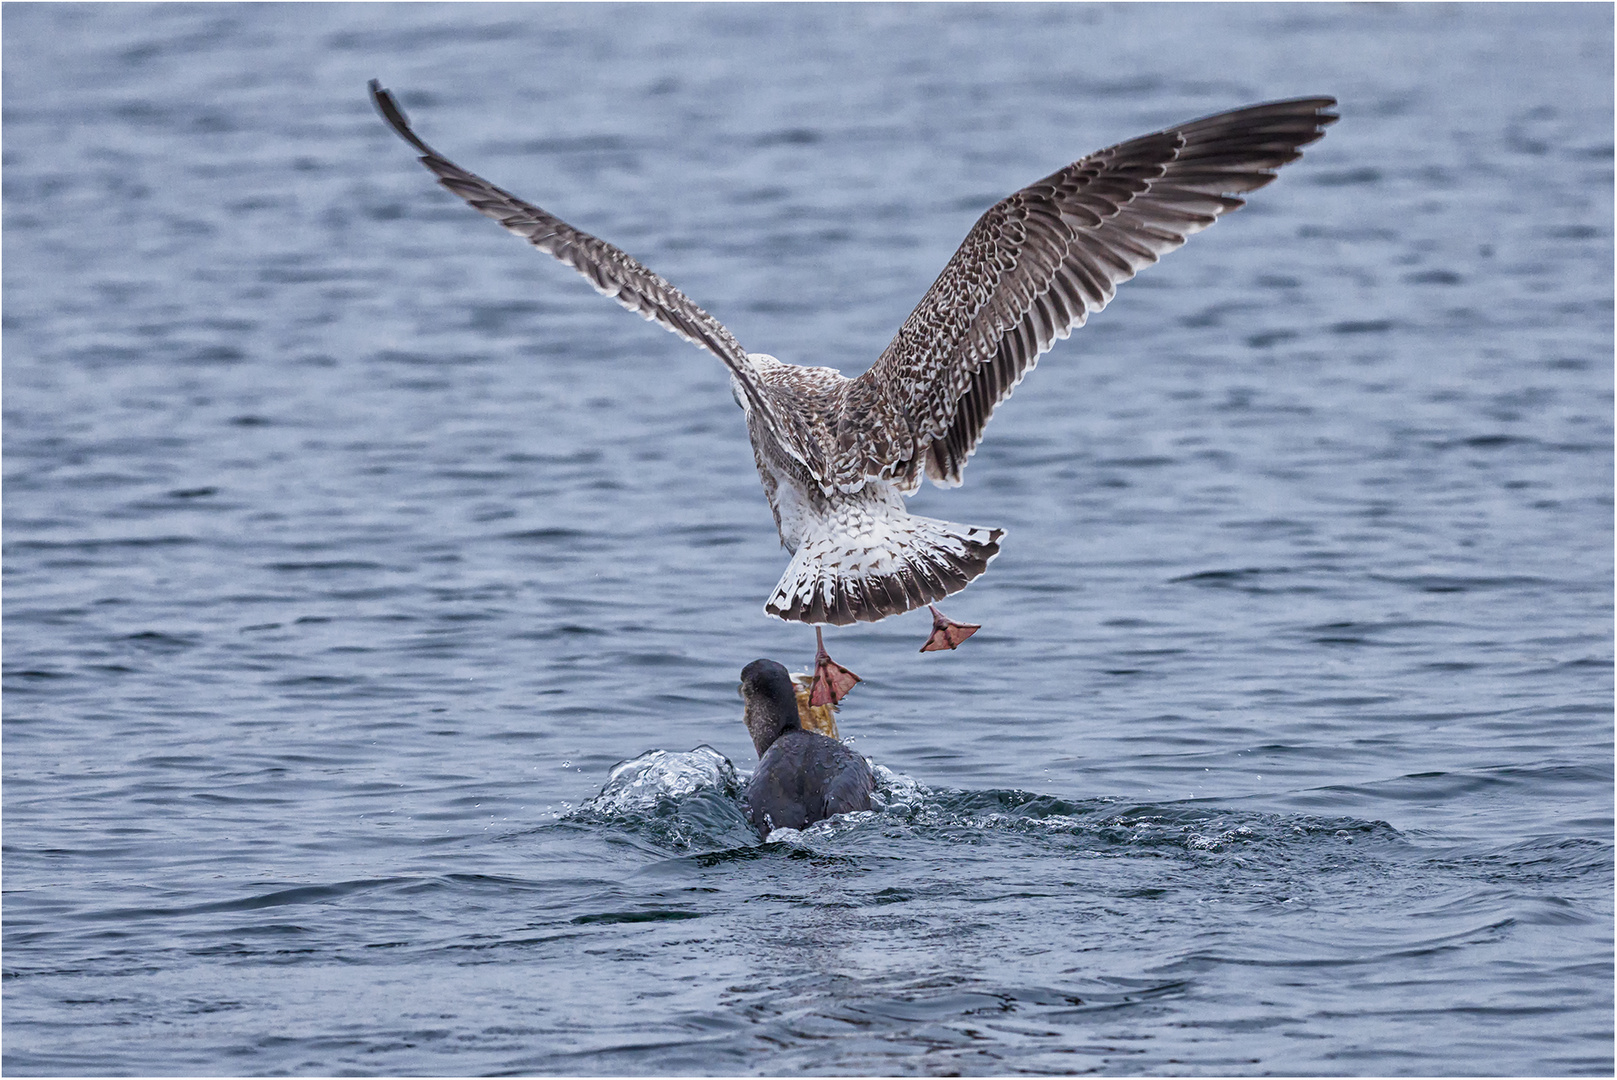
[805,777]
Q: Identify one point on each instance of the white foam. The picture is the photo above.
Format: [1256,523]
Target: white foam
[639,784]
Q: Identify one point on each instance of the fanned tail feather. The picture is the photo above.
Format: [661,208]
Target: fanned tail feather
[905,563]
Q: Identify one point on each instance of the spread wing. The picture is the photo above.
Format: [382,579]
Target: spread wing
[1035,267]
[611,270]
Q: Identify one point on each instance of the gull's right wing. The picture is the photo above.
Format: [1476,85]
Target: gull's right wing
[1039,263]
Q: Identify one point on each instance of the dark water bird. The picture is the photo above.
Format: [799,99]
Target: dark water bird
[802,776]
[838,456]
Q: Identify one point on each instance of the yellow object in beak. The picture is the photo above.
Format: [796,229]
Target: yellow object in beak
[820,718]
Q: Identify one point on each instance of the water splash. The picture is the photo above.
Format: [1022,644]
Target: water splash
[895,791]
[672,801]
[642,784]
[692,801]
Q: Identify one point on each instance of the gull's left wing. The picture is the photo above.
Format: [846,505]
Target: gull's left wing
[611,270]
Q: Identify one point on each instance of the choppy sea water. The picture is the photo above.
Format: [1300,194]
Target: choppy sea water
[375,593]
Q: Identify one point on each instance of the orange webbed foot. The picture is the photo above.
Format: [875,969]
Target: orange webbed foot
[832,681]
[946,633]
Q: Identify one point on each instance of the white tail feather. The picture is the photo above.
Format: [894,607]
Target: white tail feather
[891,563]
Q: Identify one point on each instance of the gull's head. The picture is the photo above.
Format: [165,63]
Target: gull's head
[761,362]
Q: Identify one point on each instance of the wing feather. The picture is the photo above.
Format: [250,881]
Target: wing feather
[1036,266]
[612,271]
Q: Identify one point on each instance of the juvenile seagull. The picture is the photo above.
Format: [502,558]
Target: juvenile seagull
[836,455]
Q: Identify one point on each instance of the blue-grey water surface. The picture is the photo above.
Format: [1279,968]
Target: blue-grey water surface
[350,544]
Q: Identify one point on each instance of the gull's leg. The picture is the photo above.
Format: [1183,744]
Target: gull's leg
[832,681]
[946,633]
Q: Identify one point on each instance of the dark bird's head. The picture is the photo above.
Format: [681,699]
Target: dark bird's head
[771,702]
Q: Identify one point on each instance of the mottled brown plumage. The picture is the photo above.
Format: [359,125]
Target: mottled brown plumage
[837,455]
